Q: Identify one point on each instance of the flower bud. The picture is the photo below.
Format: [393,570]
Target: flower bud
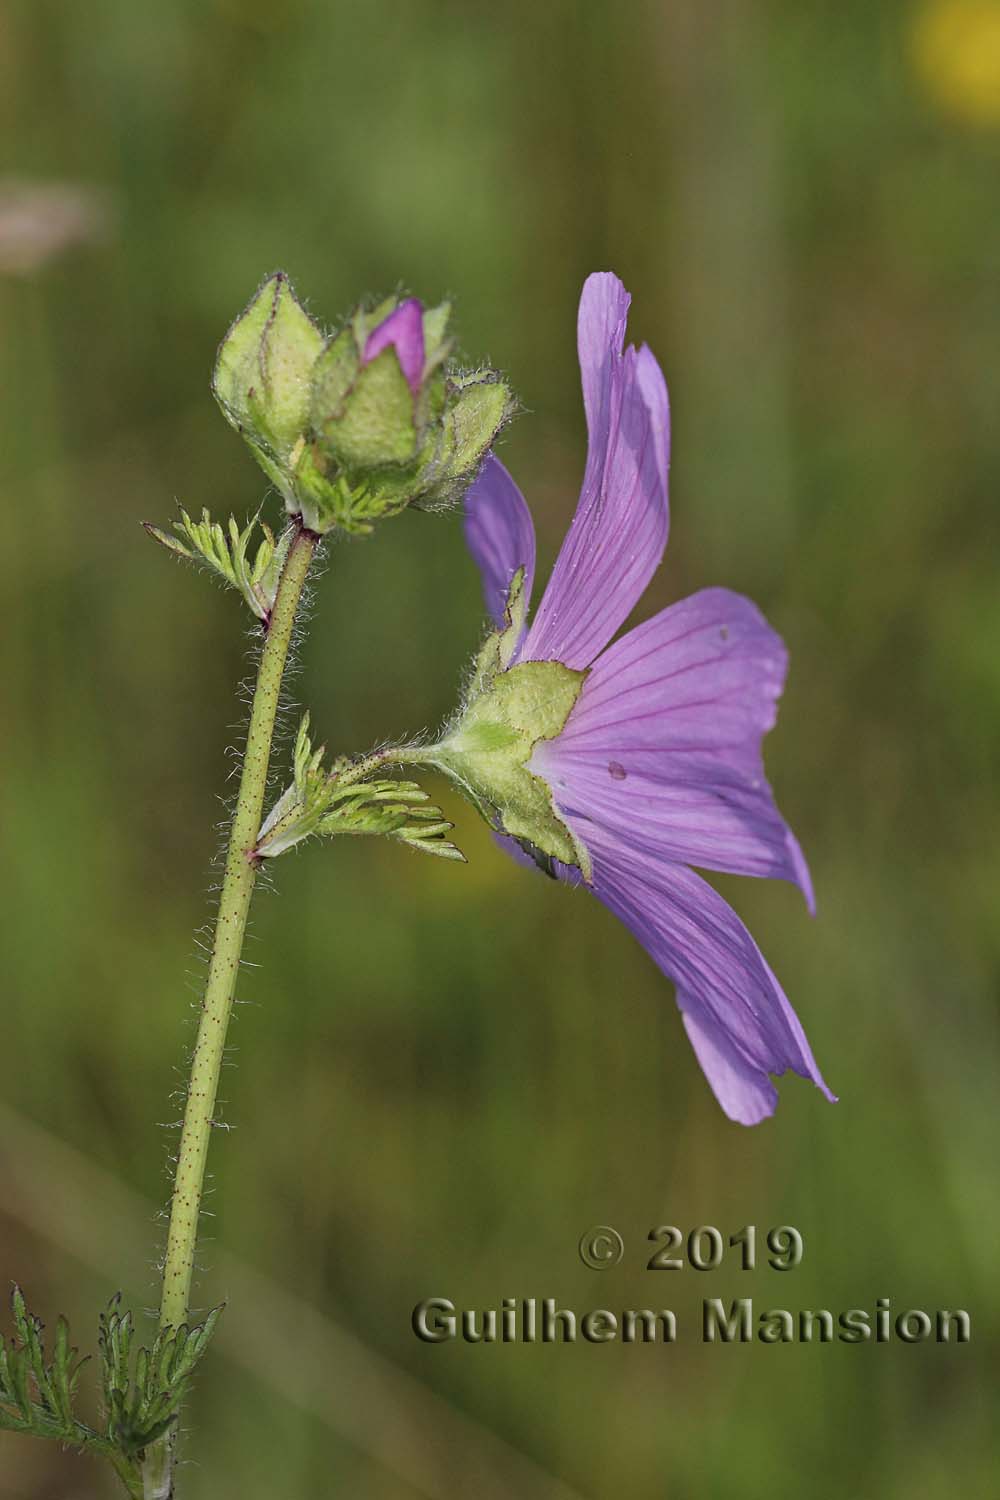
[263,378]
[392,424]
[365,423]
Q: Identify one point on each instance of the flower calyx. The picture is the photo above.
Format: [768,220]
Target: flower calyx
[486,751]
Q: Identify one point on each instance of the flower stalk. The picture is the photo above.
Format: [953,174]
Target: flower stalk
[234,904]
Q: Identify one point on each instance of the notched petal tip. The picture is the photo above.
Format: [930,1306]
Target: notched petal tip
[745,1094]
[602,314]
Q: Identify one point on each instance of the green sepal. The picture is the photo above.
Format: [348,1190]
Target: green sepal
[476,410]
[333,378]
[375,425]
[515,619]
[437,345]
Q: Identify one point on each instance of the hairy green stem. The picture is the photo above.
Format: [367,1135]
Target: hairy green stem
[230,927]
[126,1470]
[393,755]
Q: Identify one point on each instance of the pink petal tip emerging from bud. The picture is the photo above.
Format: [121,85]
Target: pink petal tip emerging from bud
[404,330]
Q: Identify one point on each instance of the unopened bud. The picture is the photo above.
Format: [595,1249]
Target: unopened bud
[263,378]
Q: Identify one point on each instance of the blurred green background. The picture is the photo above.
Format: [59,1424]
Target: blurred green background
[445,1074]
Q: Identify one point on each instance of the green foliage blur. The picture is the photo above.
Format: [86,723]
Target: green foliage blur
[442,1075]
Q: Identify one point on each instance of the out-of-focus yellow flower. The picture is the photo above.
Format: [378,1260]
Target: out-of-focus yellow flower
[956,49]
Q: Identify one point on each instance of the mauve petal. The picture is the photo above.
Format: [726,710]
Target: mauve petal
[747,1095]
[664,744]
[617,536]
[499,534]
[404,330]
[738,1017]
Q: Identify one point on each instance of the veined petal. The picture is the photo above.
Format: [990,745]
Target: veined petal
[500,535]
[738,1018]
[711,825]
[616,539]
[663,746]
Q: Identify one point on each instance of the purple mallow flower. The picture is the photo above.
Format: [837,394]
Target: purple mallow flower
[657,766]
